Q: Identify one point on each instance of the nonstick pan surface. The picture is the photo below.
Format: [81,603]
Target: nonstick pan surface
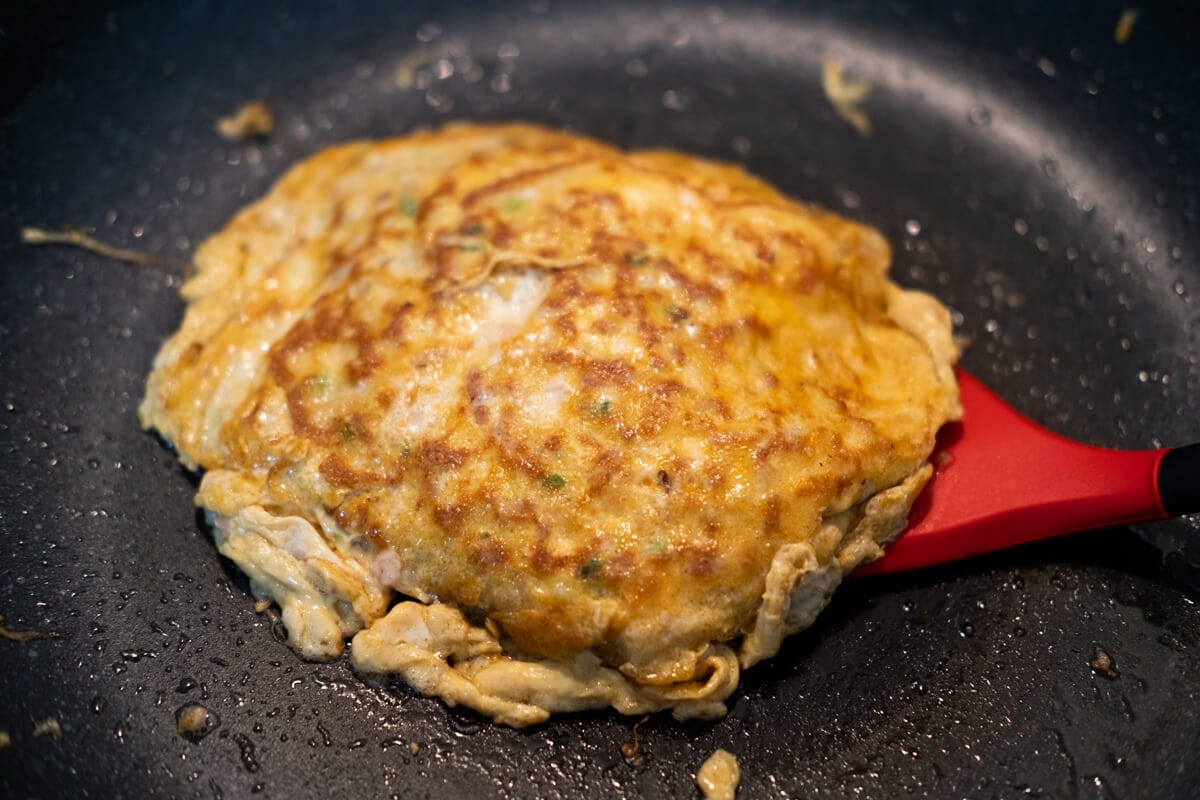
[1038,176]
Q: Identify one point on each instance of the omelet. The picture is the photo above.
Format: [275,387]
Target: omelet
[544,425]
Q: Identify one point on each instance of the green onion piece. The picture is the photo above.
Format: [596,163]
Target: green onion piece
[408,205]
[554,481]
[321,384]
[346,432]
[512,205]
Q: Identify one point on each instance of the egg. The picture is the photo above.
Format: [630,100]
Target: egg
[544,425]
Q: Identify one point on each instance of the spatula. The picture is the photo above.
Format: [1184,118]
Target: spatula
[1002,480]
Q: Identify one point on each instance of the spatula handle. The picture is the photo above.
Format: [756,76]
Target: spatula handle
[1004,480]
[1179,480]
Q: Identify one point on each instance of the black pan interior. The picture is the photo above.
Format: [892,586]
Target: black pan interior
[1028,169]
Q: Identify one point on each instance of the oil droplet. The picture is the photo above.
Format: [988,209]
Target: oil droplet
[439,102]
[676,101]
[428,32]
[464,722]
[967,630]
[473,73]
[247,752]
[912,227]
[909,606]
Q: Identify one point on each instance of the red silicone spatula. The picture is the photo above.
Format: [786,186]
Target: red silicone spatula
[1001,480]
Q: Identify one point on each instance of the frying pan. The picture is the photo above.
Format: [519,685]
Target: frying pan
[1038,176]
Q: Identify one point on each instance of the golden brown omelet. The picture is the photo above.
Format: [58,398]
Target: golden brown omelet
[610,425]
